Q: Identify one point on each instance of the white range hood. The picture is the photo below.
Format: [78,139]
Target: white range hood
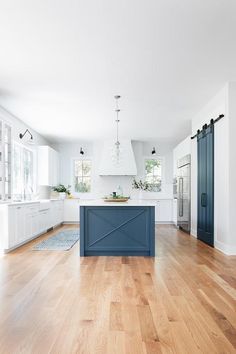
[126,165]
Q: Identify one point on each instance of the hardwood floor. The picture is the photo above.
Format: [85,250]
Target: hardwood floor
[183,301]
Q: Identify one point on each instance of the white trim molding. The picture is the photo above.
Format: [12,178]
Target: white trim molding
[229,250]
[164,223]
[194,233]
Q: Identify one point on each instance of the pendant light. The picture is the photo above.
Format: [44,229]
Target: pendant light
[117,148]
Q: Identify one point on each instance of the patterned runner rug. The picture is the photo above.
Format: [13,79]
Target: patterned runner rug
[63,241]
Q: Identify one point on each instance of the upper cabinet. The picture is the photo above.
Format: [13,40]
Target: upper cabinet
[48,166]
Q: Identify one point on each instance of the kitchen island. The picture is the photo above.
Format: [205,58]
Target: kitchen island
[117,229]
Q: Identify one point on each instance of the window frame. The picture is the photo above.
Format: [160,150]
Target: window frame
[5,196]
[34,167]
[85,158]
[162,161]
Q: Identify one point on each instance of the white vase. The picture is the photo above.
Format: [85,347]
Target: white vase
[62,195]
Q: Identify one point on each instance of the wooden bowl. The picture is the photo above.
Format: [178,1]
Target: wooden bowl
[117,200]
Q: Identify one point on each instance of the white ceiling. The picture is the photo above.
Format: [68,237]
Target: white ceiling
[62,61]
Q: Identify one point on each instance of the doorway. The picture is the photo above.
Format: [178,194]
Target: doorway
[205,151]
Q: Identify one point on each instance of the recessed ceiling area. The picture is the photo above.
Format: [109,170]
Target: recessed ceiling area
[62,62]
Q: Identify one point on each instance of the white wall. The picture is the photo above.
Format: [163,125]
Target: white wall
[218,105]
[232,167]
[104,185]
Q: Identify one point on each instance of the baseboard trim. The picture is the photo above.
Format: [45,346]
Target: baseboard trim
[226,249]
[194,233]
[70,223]
[164,223]
[8,250]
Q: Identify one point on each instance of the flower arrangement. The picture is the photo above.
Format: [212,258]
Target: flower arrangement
[141,185]
[62,189]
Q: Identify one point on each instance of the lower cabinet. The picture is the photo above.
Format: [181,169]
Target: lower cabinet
[57,212]
[71,211]
[31,219]
[117,231]
[16,225]
[163,211]
[44,221]
[23,222]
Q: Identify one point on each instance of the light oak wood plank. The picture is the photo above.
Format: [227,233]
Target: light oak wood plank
[181,301]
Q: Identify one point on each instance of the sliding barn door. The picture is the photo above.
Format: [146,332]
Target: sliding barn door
[205,227]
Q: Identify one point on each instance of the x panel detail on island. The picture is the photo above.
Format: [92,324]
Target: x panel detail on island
[117,230]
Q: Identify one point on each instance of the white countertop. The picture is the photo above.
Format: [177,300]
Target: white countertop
[89,202]
[23,202]
[130,202]
[19,202]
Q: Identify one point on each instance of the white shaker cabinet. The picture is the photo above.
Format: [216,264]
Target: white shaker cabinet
[31,220]
[16,225]
[48,166]
[22,222]
[44,221]
[163,211]
[71,211]
[57,212]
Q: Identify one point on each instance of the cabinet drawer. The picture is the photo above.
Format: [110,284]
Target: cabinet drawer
[32,209]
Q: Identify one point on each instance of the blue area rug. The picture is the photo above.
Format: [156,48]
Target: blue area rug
[63,241]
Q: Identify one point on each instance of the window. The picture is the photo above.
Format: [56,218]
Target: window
[82,176]
[23,180]
[5,161]
[153,173]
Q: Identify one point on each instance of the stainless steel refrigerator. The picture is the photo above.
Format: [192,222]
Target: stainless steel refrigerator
[184,193]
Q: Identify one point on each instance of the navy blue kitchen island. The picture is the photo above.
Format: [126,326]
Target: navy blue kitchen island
[117,229]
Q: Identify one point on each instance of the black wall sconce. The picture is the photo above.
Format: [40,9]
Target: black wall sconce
[31,136]
[81,151]
[153,151]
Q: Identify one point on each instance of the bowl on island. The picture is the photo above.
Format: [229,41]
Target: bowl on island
[117,198]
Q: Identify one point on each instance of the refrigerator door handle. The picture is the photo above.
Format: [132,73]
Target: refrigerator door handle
[181,206]
[203,199]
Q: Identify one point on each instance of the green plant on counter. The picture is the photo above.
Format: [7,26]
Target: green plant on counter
[62,189]
[141,185]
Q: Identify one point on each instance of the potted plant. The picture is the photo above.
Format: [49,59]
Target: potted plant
[141,186]
[62,190]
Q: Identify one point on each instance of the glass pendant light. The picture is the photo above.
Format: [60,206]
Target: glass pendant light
[116,153]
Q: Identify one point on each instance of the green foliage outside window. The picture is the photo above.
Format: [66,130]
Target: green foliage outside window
[153,174]
[82,176]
